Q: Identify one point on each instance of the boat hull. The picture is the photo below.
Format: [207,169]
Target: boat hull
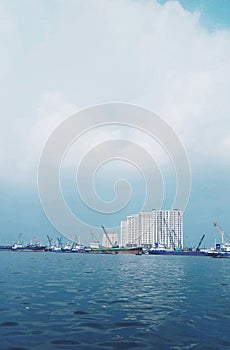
[29,249]
[219,254]
[5,247]
[177,252]
[134,251]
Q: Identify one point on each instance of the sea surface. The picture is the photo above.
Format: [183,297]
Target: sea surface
[81,301]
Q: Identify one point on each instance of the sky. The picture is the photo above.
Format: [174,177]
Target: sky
[59,57]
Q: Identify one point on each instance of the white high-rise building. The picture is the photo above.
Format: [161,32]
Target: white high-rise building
[158,227]
[124,237]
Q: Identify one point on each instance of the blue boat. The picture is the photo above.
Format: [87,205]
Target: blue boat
[159,251]
[5,247]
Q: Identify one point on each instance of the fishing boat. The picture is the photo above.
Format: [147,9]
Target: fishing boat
[28,247]
[78,249]
[67,248]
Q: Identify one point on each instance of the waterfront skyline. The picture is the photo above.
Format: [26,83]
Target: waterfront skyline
[170,57]
[162,228]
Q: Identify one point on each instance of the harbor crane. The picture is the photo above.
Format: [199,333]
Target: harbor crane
[50,241]
[170,235]
[107,236]
[77,239]
[199,244]
[19,237]
[59,241]
[220,231]
[145,232]
[94,238]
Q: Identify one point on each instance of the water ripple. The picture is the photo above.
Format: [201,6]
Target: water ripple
[98,302]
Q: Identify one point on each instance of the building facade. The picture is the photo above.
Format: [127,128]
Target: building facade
[156,228]
[113,238]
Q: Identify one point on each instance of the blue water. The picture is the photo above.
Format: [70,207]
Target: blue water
[80,301]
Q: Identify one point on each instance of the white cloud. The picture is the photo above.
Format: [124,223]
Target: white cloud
[51,112]
[140,52]
[22,144]
[7,28]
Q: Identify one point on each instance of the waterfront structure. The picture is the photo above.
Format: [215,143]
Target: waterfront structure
[156,228]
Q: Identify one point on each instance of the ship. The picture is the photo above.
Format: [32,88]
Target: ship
[162,250]
[219,254]
[117,250]
[5,247]
[78,249]
[67,248]
[221,250]
[17,247]
[114,247]
[179,252]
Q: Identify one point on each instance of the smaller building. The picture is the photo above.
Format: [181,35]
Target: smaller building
[112,237]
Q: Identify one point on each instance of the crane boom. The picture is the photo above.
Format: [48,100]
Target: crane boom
[142,234]
[107,236]
[115,245]
[170,234]
[19,237]
[50,240]
[220,231]
[59,241]
[199,244]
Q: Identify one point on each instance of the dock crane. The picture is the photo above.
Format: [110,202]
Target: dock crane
[170,235]
[77,239]
[143,233]
[50,240]
[107,236]
[94,238]
[199,244]
[59,241]
[220,231]
[19,237]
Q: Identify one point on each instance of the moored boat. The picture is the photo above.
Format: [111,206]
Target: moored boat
[220,255]
[221,250]
[28,248]
[78,249]
[180,252]
[121,250]
[162,250]
[67,248]
[5,247]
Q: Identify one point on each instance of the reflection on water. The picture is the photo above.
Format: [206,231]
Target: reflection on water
[84,301]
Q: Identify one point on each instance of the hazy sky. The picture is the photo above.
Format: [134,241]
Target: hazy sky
[59,56]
